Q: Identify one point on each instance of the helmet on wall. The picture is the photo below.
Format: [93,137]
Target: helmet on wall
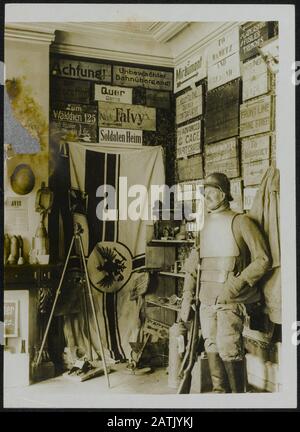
[22,179]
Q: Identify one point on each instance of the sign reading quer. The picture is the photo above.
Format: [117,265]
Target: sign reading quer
[120,136]
[107,93]
[190,71]
[81,70]
[126,116]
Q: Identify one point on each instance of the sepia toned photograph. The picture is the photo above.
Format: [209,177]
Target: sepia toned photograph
[149,207]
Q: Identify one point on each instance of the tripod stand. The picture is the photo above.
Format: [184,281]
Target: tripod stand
[77,236]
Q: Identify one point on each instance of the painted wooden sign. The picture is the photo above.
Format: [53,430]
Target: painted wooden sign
[83,70]
[222,112]
[190,71]
[223,47]
[78,122]
[189,139]
[226,149]
[127,116]
[249,195]
[225,70]
[75,113]
[107,93]
[252,35]
[253,172]
[255,148]
[120,136]
[158,99]
[230,167]
[190,169]
[11,318]
[189,105]
[256,116]
[138,77]
[73,91]
[236,191]
[256,78]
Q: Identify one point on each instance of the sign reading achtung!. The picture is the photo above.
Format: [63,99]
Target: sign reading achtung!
[81,70]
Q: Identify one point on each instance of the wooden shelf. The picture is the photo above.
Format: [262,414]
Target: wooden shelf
[164,305]
[172,274]
[170,242]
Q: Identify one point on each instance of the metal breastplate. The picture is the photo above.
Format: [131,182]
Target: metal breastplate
[218,253]
[216,237]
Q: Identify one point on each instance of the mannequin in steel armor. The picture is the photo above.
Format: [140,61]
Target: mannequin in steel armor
[233,256]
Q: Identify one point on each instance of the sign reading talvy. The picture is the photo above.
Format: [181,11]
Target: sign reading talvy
[107,93]
[126,116]
[190,71]
[81,70]
[120,136]
[138,77]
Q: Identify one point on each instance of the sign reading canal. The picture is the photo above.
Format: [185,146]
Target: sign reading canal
[127,116]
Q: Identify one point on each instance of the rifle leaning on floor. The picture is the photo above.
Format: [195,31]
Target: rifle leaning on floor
[190,357]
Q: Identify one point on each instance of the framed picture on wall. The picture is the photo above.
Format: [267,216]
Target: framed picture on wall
[11,318]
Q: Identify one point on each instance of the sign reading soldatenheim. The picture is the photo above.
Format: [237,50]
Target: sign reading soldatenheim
[144,47]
